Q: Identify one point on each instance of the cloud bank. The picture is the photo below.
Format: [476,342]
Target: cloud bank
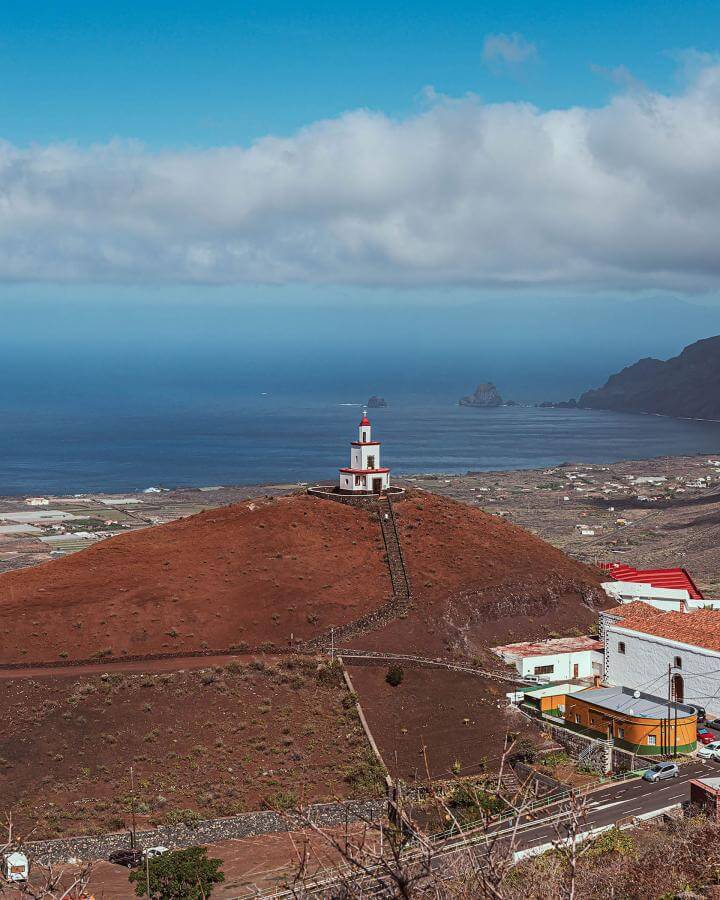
[621,197]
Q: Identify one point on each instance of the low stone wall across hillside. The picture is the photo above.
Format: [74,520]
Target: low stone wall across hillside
[209,831]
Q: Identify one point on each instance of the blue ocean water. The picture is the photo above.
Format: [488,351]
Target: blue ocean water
[99,392]
[83,446]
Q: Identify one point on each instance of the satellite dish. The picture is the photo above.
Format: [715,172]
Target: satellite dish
[636,695]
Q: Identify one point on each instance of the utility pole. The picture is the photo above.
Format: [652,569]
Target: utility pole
[132,807]
[667,721]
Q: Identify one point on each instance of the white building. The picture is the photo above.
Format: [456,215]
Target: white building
[555,659]
[649,649]
[364,475]
[668,589]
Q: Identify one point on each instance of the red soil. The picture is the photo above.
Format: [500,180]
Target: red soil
[478,581]
[216,741]
[436,718]
[253,573]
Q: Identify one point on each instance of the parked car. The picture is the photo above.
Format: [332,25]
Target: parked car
[707,751]
[705,736]
[661,771]
[131,858]
[152,852]
[699,711]
[714,723]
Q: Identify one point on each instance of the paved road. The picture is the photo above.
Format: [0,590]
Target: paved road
[622,800]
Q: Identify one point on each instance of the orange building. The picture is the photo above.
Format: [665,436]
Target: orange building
[633,720]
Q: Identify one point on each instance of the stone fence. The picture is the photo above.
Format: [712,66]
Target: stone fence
[328,492]
[209,831]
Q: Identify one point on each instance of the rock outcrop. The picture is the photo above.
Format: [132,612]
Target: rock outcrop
[687,385]
[376,402]
[486,396]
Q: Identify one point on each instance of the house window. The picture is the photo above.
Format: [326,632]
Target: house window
[577,719]
[652,740]
[621,732]
[543,670]
[621,647]
[358,481]
[678,662]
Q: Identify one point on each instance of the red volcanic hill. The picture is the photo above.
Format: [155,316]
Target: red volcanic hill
[259,573]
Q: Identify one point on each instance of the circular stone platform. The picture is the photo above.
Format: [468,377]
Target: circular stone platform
[331,492]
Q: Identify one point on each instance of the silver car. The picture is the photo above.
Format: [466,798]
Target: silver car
[661,771]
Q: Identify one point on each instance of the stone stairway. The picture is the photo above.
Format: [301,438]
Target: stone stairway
[393,550]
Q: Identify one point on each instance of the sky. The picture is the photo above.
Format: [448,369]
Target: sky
[260,169]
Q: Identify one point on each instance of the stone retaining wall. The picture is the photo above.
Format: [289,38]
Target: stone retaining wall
[326,492]
[624,761]
[542,785]
[209,831]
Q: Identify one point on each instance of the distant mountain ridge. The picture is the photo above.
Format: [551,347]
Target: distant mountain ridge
[688,385]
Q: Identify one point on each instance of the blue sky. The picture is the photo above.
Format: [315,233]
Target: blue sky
[256,159]
[179,74]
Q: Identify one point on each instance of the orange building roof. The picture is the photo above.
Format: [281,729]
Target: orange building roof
[699,629]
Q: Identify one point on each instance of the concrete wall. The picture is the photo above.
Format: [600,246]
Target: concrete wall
[644,665]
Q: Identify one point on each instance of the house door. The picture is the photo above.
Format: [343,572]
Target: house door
[377,485]
[576,670]
[678,688]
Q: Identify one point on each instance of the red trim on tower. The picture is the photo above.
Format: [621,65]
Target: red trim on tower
[350,471]
[364,443]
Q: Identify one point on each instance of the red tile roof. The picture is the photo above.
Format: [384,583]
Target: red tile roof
[678,579]
[699,629]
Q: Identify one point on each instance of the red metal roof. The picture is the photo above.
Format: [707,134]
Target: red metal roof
[364,420]
[677,579]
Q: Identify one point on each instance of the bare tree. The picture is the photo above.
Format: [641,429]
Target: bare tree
[398,859]
[45,882]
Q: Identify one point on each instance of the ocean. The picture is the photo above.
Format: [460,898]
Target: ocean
[82,447]
[120,394]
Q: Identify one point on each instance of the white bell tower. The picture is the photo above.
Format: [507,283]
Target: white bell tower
[364,475]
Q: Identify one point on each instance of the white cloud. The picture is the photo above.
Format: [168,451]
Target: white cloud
[507,49]
[625,196]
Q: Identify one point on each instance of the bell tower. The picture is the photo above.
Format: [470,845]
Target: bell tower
[364,475]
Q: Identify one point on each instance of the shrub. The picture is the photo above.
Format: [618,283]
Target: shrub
[366,777]
[180,875]
[284,801]
[188,817]
[394,675]
[470,803]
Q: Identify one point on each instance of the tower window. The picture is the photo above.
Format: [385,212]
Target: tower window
[621,646]
[364,436]
[371,462]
